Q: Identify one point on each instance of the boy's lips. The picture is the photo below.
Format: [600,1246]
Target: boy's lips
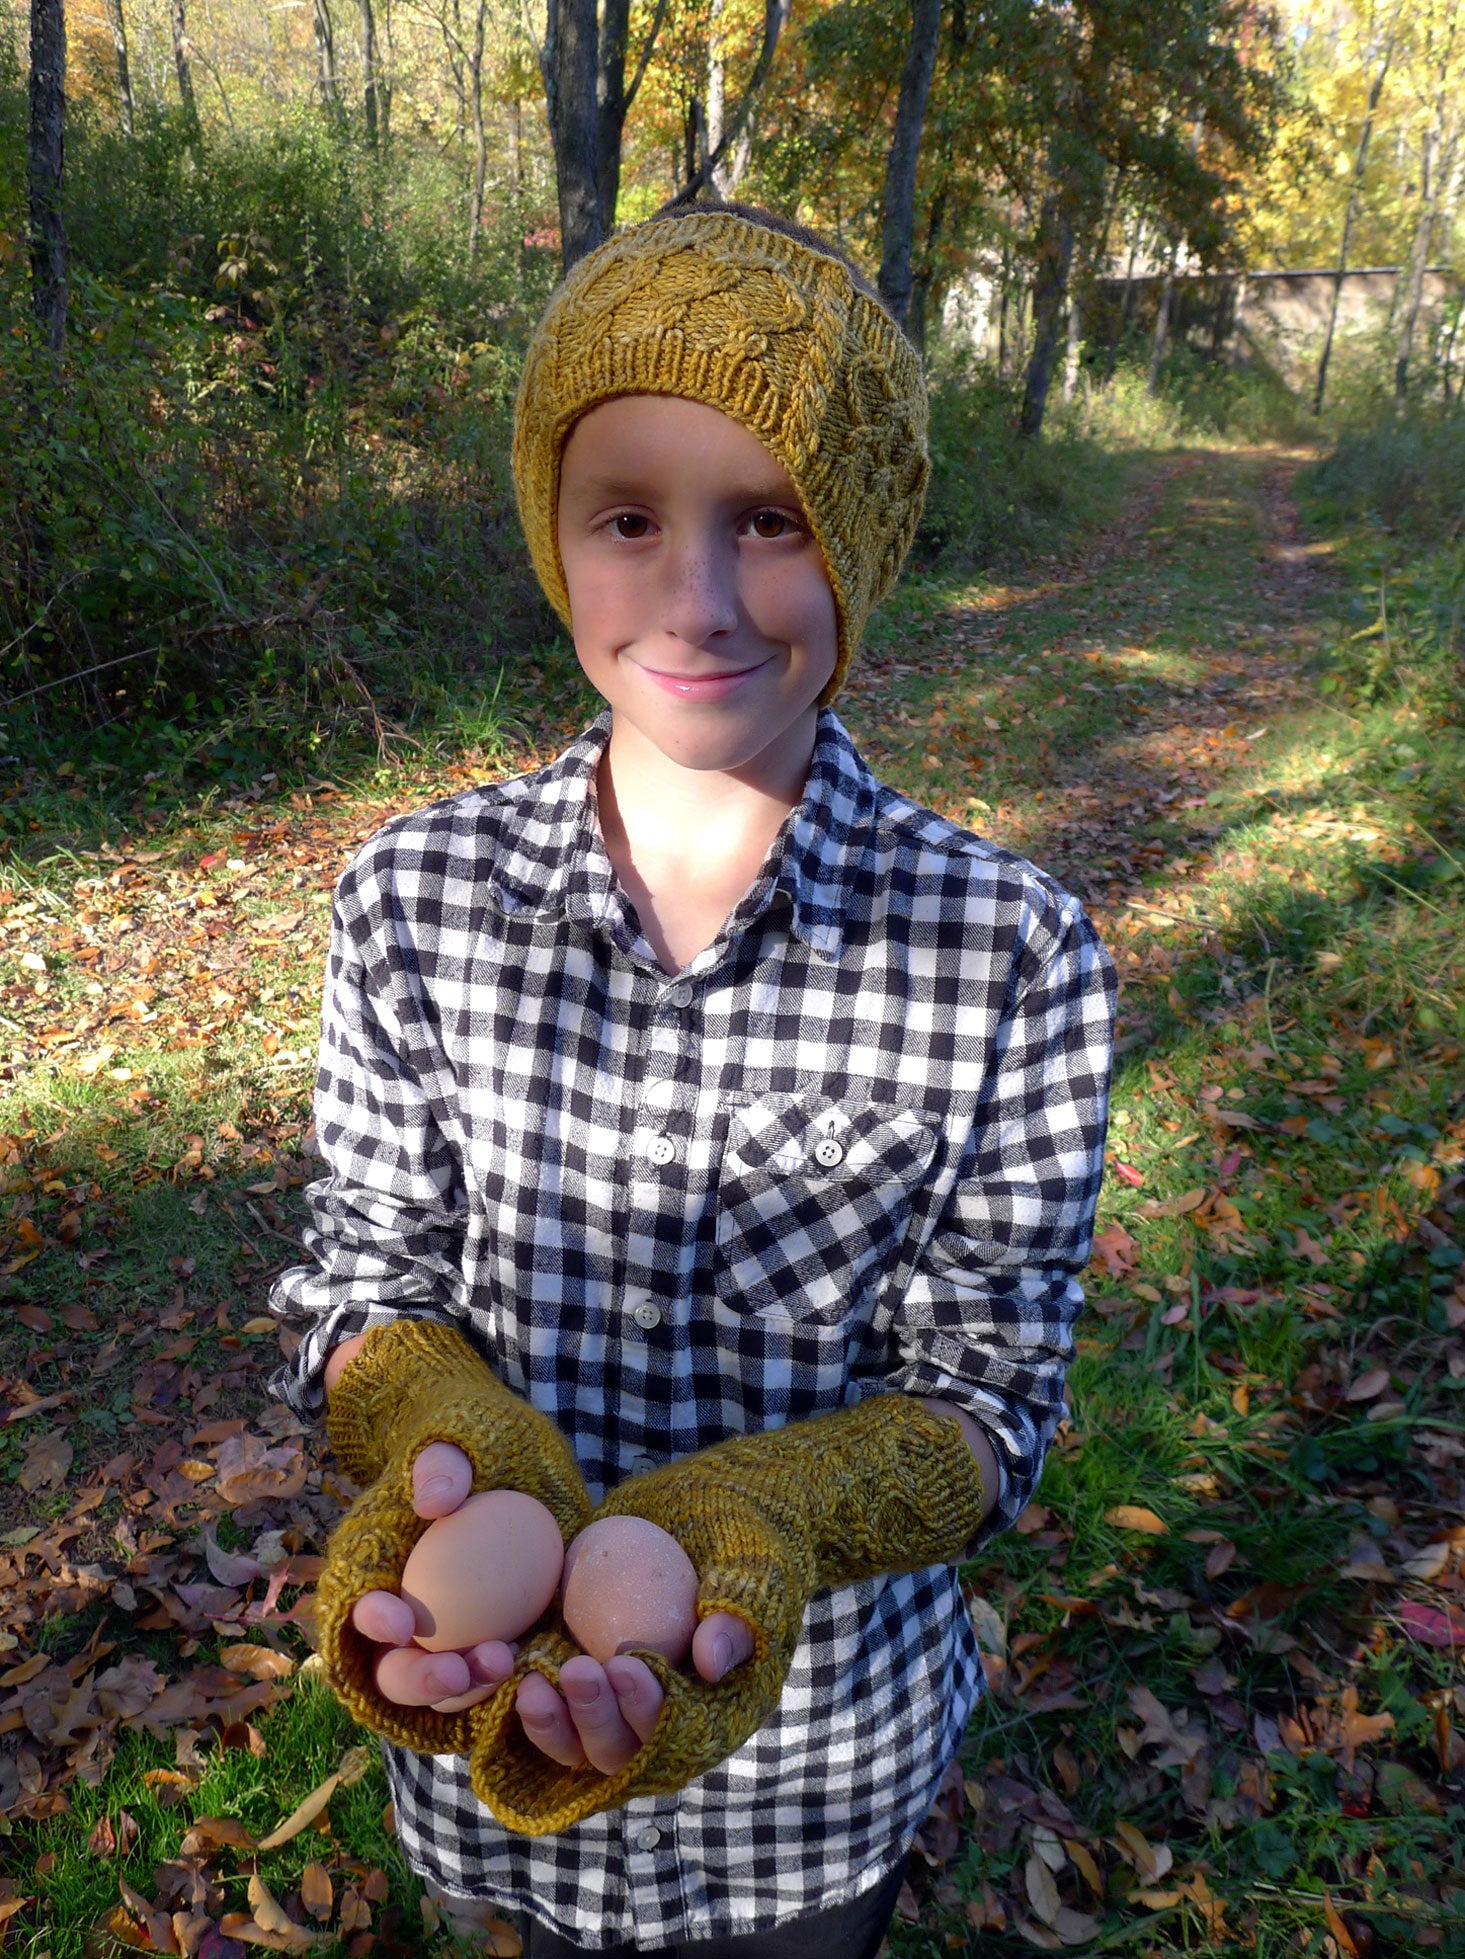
[702,686]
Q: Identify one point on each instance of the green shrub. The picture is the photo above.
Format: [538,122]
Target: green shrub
[995,498]
[1401,473]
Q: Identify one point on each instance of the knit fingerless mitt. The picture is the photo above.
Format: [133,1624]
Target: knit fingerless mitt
[767,1520]
[416,1382]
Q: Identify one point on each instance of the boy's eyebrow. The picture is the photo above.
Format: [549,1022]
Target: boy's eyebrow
[631,489]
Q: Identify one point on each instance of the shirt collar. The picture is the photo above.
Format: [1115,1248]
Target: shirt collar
[555,861]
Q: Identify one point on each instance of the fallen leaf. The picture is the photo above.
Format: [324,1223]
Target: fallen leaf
[1116,1251]
[47,1459]
[1220,1558]
[1042,1891]
[1367,1385]
[316,1893]
[1432,1625]
[1178,1746]
[256,1662]
[271,1916]
[353,1766]
[1338,1929]
[1132,1516]
[209,1833]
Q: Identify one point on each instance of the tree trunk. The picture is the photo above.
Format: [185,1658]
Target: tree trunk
[1162,321]
[480,136]
[368,73]
[1050,290]
[1071,353]
[182,64]
[1355,192]
[118,26]
[325,48]
[516,141]
[924,278]
[570,63]
[45,163]
[1126,298]
[735,127]
[1438,167]
[898,227]
[716,96]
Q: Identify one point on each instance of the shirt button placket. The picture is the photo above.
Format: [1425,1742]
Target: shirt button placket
[667,1097]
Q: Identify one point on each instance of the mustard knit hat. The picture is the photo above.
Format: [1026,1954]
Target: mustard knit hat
[717,308]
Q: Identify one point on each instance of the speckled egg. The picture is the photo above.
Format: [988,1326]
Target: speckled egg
[627,1584]
[487,1571]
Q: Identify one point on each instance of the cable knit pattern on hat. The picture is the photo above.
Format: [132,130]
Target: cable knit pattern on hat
[775,334]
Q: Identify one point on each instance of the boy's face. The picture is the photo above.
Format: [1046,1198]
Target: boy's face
[699,602]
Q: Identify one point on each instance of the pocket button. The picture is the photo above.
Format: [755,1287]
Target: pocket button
[661,1150]
[647,1316]
[828,1152]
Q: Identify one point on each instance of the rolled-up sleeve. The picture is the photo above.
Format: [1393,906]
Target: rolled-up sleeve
[388,1217]
[986,1320]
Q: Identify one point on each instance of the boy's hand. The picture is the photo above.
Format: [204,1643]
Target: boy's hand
[442,1478]
[605,1714]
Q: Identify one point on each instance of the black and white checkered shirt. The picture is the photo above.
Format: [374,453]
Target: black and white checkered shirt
[853,1148]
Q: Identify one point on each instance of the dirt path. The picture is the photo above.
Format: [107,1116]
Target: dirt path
[1187,624]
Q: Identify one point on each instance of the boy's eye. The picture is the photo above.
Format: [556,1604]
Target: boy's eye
[771,523]
[630,524]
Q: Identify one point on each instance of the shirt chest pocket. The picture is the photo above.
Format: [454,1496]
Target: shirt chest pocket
[814,1202]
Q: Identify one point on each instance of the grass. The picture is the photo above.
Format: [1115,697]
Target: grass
[1180,703]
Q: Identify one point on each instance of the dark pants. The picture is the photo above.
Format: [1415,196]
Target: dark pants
[849,1931]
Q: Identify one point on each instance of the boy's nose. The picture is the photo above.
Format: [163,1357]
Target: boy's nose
[701,593]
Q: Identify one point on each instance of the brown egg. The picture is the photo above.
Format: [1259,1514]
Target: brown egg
[487,1571]
[627,1583]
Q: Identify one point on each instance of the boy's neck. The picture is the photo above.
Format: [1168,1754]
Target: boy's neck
[686,844]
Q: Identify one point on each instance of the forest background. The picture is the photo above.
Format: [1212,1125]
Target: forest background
[1183,622]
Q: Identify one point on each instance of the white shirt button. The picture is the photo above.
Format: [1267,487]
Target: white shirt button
[648,1838]
[661,1150]
[827,1152]
[646,1315]
[640,1464]
[681,995]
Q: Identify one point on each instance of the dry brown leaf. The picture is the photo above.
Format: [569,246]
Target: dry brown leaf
[1151,1860]
[208,1833]
[1134,1516]
[47,1459]
[316,1893]
[1220,1558]
[1042,1891]
[1178,1747]
[355,1912]
[256,1662]
[1085,1863]
[1338,1928]
[1075,1927]
[304,1815]
[498,1940]
[1367,1385]
[270,1915]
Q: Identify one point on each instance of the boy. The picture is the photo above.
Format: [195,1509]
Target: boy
[713,1136]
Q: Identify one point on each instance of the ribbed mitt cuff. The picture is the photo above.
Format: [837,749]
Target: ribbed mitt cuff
[416,1382]
[767,1520]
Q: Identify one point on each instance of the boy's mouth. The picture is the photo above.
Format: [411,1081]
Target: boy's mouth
[703,686]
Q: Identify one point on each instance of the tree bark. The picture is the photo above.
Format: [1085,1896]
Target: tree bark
[1050,290]
[46,158]
[183,67]
[1350,216]
[570,59]
[369,74]
[898,225]
[118,26]
[480,135]
[735,126]
[1162,321]
[1126,299]
[1438,168]
[1071,353]
[325,48]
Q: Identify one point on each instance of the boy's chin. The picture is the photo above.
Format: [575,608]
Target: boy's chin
[728,745]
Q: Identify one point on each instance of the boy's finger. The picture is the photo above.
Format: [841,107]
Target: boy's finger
[442,1477]
[412,1678]
[546,1721]
[385,1617]
[459,1701]
[638,1693]
[491,1663]
[721,1642]
[608,1739]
